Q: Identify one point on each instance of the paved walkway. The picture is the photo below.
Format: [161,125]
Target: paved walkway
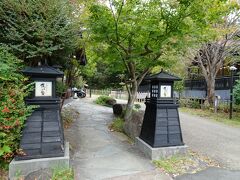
[98,153]
[212,174]
[217,140]
[214,139]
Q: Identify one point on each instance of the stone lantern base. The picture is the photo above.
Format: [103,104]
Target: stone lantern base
[161,152]
[24,167]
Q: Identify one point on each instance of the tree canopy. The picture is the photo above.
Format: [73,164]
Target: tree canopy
[135,35]
[39,29]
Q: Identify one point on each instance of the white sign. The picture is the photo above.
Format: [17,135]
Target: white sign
[165,91]
[43,89]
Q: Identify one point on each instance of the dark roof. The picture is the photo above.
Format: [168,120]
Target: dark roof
[163,76]
[43,71]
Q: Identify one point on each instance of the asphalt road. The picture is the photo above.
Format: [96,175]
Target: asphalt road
[212,174]
[211,138]
[214,139]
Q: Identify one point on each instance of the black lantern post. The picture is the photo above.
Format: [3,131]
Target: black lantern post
[43,131]
[232,68]
[161,126]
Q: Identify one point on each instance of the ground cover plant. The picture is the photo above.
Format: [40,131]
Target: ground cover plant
[192,162]
[13,111]
[105,101]
[63,174]
[69,115]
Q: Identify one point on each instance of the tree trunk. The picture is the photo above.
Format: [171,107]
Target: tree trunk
[211,91]
[132,95]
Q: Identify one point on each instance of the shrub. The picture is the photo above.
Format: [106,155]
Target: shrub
[183,102]
[60,88]
[223,107]
[105,101]
[137,106]
[190,103]
[194,104]
[13,111]
[236,93]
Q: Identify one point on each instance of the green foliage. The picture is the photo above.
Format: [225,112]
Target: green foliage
[105,101]
[190,103]
[133,37]
[117,125]
[172,165]
[102,75]
[179,86]
[137,106]
[79,82]
[61,88]
[236,93]
[13,111]
[39,29]
[63,174]
[123,34]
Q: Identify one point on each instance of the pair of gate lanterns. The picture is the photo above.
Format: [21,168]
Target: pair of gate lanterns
[43,133]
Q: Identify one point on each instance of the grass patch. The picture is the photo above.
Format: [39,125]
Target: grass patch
[219,116]
[63,174]
[173,165]
[68,115]
[117,125]
[181,164]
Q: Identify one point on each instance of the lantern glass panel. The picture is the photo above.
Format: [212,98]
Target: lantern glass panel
[154,91]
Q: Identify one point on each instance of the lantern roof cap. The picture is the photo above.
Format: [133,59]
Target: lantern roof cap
[163,75]
[43,70]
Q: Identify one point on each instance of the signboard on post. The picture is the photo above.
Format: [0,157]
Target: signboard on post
[43,89]
[165,91]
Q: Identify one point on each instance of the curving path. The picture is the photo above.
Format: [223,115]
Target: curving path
[98,153]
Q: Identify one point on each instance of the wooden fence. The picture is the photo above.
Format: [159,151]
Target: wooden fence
[117,94]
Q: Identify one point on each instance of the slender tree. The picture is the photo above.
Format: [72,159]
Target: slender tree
[214,52]
[211,58]
[135,34]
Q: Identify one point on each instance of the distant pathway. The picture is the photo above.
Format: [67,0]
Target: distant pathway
[98,153]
